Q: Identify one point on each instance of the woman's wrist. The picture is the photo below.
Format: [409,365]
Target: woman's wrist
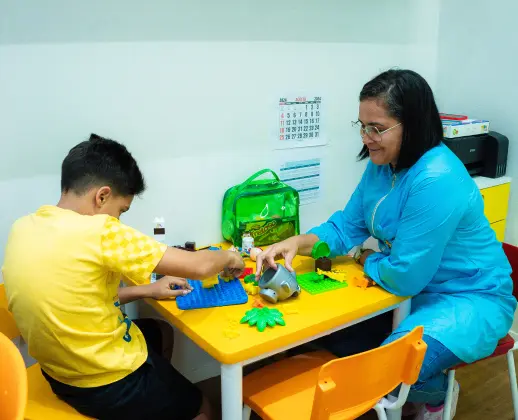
[364,255]
[305,243]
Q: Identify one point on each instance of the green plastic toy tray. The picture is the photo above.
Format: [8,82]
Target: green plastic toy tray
[313,287]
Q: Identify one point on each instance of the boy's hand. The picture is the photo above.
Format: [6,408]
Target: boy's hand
[164,288]
[236,265]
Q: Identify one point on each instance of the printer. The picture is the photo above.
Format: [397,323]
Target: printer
[483,154]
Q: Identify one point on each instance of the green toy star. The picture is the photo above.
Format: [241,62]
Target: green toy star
[261,317]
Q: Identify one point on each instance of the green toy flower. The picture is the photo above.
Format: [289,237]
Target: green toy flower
[261,317]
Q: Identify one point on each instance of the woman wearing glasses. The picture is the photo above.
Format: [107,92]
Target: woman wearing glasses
[417,199]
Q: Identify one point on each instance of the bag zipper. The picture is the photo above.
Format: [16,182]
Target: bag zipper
[381,201]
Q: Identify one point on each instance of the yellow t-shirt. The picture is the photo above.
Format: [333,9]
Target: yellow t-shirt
[62,271]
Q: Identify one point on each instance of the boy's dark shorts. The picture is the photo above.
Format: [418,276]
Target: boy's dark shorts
[155,391]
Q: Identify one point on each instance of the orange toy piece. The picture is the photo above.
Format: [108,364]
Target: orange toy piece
[258,303]
[42,403]
[363,283]
[318,386]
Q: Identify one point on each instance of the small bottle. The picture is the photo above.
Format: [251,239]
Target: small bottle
[159,235]
[247,242]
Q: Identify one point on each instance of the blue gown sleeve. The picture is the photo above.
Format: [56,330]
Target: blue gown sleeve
[346,228]
[433,210]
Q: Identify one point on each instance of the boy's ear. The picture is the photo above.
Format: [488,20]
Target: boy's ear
[102,196]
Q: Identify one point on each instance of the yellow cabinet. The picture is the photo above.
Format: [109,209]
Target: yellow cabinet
[496,203]
[499,228]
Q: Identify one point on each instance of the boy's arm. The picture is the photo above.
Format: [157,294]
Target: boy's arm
[200,264]
[163,288]
[136,256]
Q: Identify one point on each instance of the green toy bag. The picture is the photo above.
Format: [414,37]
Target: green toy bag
[267,208]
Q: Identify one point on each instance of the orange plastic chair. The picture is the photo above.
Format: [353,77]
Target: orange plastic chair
[42,403]
[318,386]
[13,381]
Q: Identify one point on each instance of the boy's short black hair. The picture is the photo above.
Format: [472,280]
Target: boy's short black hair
[98,162]
[409,99]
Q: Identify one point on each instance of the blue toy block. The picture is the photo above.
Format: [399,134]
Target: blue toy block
[223,294]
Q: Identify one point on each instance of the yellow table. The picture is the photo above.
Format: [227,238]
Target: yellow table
[218,332]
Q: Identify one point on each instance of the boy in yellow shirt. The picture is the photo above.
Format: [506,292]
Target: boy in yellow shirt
[62,271]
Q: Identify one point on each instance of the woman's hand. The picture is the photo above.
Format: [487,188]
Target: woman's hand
[168,287]
[364,256]
[286,249]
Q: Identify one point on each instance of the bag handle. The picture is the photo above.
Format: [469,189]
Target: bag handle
[257,175]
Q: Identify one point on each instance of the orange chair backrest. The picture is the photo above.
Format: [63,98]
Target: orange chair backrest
[13,381]
[369,376]
[7,325]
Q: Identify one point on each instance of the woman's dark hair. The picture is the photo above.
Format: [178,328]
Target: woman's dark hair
[409,99]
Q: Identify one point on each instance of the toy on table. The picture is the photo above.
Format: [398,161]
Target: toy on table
[231,331]
[210,282]
[277,285]
[222,294]
[251,286]
[323,264]
[240,251]
[254,252]
[263,317]
[257,303]
[363,282]
[247,272]
[320,253]
[337,275]
[251,289]
[315,283]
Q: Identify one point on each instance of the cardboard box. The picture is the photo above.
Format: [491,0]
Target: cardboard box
[452,129]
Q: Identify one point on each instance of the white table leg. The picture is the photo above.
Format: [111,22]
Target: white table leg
[401,312]
[232,391]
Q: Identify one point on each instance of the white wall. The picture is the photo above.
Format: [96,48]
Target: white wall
[477,73]
[196,115]
[190,88]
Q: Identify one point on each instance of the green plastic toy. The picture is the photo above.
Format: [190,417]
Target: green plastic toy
[250,279]
[262,317]
[314,283]
[320,250]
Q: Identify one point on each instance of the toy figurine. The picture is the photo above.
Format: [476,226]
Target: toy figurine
[323,264]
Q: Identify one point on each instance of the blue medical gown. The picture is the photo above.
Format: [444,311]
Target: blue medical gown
[436,245]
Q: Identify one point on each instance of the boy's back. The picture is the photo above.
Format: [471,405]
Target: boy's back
[61,273]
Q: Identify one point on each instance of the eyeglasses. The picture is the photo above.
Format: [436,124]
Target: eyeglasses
[371,131]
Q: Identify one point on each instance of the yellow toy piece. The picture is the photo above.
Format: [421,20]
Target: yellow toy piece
[251,289]
[229,333]
[337,275]
[210,282]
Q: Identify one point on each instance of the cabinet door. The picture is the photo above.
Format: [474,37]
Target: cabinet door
[499,228]
[496,202]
